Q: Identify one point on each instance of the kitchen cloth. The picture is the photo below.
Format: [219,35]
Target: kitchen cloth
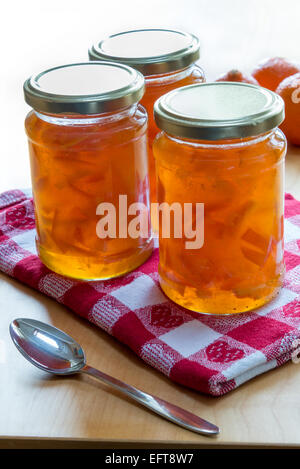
[212,354]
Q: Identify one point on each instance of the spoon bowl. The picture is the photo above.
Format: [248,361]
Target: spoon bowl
[47,347]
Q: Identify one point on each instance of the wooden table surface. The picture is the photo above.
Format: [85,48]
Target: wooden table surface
[39,410]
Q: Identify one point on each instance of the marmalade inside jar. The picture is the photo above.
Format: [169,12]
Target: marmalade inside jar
[156,86]
[78,162]
[240,265]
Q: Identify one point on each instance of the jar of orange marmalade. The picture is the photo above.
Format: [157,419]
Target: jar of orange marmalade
[88,146]
[165,57]
[220,148]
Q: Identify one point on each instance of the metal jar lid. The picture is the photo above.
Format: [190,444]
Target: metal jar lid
[84,88]
[151,51]
[220,110]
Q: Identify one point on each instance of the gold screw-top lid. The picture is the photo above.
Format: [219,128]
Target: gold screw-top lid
[151,51]
[84,88]
[219,110]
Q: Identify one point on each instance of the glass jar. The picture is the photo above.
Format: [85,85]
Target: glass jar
[220,147]
[87,139]
[165,57]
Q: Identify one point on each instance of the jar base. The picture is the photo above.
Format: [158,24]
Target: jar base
[222,303]
[93,268]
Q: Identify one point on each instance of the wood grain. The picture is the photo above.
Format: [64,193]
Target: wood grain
[39,410]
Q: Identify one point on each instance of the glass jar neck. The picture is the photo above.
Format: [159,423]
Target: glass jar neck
[177,75]
[81,119]
[210,144]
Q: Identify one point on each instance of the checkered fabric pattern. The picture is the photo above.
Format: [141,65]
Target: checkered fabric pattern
[211,354]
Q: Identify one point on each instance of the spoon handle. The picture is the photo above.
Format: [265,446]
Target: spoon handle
[165,409]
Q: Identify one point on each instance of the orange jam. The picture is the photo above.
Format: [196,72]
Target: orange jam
[166,58]
[157,86]
[81,160]
[238,176]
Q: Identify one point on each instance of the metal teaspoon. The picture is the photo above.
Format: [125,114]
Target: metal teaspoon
[51,350]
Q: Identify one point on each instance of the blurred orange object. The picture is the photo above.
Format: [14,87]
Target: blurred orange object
[289,90]
[271,72]
[237,75]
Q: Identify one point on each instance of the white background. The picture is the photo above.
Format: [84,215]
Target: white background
[35,35]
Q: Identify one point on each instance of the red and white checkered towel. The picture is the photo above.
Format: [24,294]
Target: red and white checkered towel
[212,354]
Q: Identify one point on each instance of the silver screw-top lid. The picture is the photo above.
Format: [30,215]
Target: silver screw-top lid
[220,110]
[151,51]
[84,88]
